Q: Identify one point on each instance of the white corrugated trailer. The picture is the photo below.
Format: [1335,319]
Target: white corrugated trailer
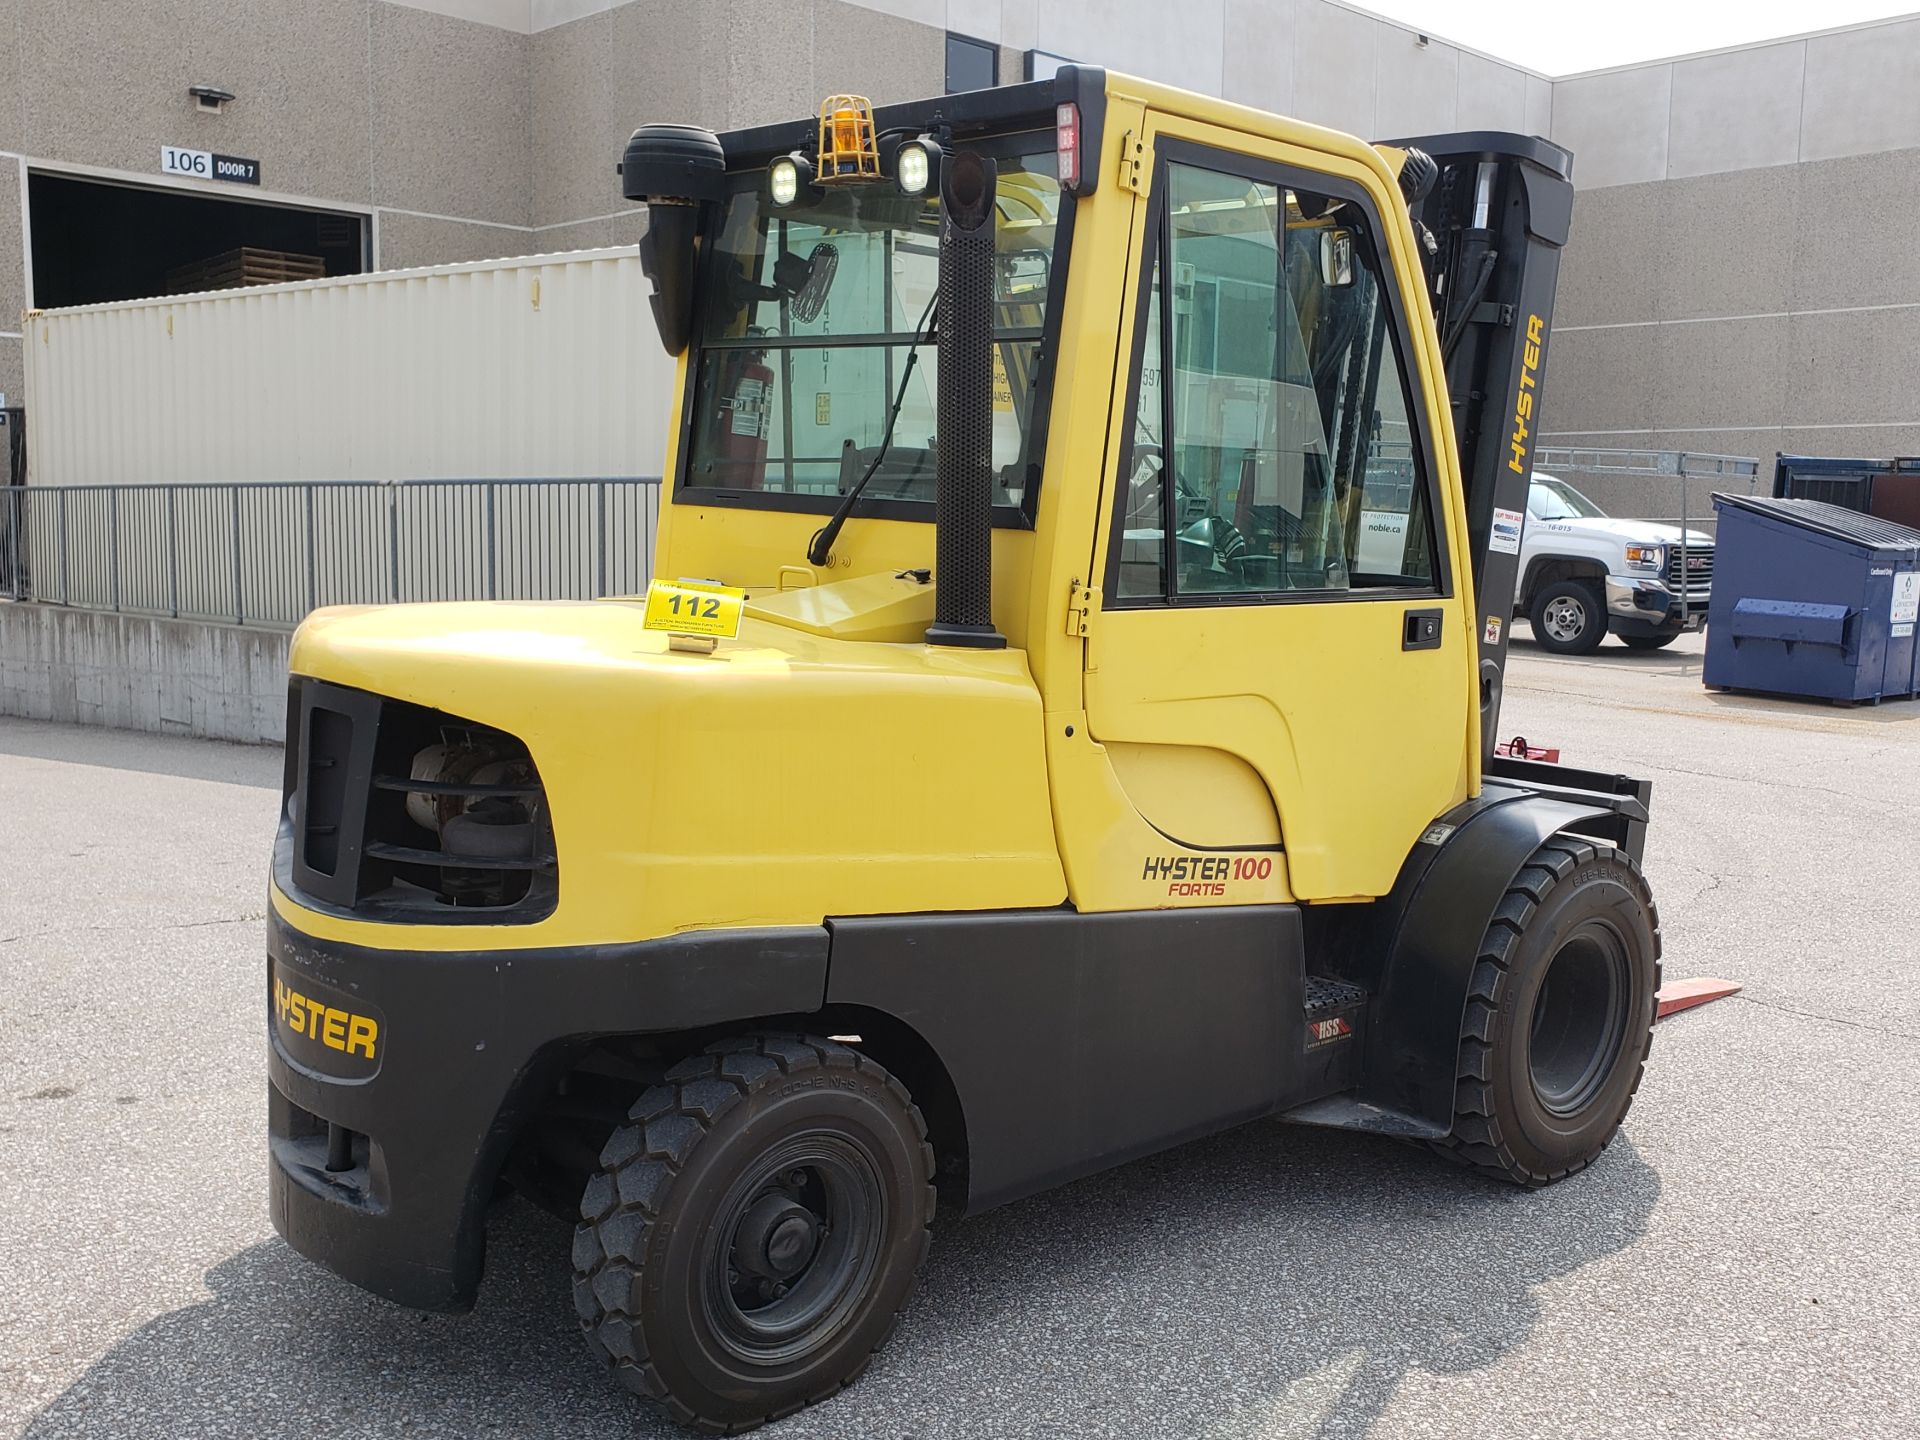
[542,368]
[539,366]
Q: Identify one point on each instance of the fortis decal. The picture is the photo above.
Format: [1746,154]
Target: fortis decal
[1529,385]
[1205,875]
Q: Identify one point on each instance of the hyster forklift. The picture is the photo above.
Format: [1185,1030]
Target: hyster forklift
[1061,728]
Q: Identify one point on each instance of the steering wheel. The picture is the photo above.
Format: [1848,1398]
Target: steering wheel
[1146,494]
[1228,543]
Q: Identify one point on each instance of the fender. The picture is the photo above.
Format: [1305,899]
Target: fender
[467,1042]
[1417,947]
[1079,1042]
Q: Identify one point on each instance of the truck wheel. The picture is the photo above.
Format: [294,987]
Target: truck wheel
[1560,1015]
[1569,617]
[1649,642]
[754,1230]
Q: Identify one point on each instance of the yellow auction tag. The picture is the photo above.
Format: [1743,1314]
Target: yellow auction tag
[692,607]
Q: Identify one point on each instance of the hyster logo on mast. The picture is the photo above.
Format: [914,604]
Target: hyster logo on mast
[1529,382]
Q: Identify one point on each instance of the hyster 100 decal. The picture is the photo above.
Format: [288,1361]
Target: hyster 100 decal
[1205,875]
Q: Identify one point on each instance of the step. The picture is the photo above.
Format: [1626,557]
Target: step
[1332,1034]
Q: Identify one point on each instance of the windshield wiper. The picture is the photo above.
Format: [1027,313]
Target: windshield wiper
[820,548]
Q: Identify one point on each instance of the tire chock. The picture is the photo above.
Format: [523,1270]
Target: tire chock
[1678,995]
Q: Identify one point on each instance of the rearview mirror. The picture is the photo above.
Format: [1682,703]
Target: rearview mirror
[680,172]
[1336,257]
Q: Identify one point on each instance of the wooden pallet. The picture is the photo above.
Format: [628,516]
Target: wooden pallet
[233,269]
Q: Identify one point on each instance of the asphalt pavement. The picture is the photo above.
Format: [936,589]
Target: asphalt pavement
[1744,1261]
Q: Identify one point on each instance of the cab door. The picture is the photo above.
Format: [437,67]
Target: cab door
[1275,580]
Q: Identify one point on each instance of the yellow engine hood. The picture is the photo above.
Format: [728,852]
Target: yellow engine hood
[789,776]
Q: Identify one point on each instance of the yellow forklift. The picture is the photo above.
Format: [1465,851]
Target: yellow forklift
[1061,729]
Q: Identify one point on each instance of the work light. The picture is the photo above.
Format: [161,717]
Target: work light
[917,167]
[788,176]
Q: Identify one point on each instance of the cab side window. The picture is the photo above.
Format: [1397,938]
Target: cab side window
[1272,448]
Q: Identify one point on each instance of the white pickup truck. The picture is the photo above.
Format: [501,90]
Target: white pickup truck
[1583,573]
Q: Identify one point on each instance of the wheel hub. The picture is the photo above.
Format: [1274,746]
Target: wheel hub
[796,1243]
[1579,1020]
[777,1237]
[1566,617]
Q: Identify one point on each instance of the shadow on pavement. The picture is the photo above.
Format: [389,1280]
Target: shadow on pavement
[188,758]
[1271,1280]
[1668,661]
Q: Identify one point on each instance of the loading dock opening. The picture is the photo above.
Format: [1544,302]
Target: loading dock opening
[96,240]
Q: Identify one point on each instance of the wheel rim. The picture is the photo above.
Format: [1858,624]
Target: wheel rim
[1579,1019]
[794,1247]
[1565,618]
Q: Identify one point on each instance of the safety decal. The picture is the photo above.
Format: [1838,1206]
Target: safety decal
[1493,629]
[1507,525]
[1436,833]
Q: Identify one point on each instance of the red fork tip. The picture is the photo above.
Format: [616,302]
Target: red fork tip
[1679,995]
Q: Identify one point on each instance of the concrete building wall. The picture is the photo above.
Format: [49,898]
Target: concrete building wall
[478,129]
[1739,276]
[1743,274]
[418,118]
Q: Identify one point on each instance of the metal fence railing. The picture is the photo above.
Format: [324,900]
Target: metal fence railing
[266,553]
[1650,484]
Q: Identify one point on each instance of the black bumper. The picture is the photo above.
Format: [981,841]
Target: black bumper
[1671,616]
[421,1067]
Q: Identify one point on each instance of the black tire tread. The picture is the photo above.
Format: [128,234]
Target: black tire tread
[1477,1140]
[638,1170]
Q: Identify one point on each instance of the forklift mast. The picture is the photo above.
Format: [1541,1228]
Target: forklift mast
[1495,219]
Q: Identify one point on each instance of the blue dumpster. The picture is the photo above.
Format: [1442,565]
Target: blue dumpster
[1812,599]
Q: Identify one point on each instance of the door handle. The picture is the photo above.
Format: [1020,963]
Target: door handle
[1421,630]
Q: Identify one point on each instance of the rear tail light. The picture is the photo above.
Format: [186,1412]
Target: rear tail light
[1066,120]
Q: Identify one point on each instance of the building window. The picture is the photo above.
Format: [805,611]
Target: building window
[1042,64]
[971,64]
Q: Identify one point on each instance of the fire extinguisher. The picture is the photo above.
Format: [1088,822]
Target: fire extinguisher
[746,414]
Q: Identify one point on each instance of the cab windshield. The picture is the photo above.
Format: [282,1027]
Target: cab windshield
[1557,500]
[810,313]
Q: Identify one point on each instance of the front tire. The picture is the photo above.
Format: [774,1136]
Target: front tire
[1650,642]
[754,1230]
[1559,1018]
[1569,617]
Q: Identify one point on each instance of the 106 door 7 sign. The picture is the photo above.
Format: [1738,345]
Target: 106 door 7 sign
[205,165]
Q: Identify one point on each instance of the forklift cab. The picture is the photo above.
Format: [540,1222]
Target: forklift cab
[1253,539]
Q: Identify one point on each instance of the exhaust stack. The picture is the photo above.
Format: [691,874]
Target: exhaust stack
[963,510]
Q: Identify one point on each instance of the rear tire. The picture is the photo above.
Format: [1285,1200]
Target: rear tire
[1559,1017]
[1649,642]
[754,1231]
[1569,617]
